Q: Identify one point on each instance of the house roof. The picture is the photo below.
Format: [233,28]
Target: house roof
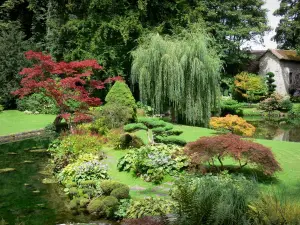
[289,55]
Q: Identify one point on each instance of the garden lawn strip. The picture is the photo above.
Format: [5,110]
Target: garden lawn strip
[14,121]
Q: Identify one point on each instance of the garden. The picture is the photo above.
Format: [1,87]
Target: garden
[125,117]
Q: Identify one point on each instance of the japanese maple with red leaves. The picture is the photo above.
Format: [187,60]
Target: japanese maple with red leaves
[69,84]
[207,150]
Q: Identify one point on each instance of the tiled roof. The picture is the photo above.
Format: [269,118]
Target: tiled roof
[289,55]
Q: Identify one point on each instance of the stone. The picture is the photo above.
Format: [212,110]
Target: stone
[6,170]
[36,191]
[49,181]
[28,162]
[12,153]
[38,150]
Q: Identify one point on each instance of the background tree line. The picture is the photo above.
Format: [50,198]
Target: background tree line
[108,30]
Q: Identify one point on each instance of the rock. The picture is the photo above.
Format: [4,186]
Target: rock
[12,153]
[41,206]
[27,185]
[6,170]
[38,150]
[28,162]
[36,191]
[49,181]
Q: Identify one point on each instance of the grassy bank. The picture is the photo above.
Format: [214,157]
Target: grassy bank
[13,121]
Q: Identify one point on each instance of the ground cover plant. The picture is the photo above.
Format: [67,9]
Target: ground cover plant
[209,150]
[152,163]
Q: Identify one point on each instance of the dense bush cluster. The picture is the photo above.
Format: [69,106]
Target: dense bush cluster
[37,102]
[152,163]
[213,150]
[232,123]
[78,166]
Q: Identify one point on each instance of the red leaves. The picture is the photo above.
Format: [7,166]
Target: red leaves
[208,149]
[63,81]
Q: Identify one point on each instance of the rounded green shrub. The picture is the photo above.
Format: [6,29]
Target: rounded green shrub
[121,95]
[103,206]
[134,126]
[130,141]
[83,202]
[174,140]
[121,193]
[73,204]
[108,186]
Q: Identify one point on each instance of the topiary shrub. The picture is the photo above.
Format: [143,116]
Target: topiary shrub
[108,186]
[230,106]
[173,140]
[103,206]
[120,95]
[209,150]
[134,126]
[270,82]
[121,192]
[115,116]
[276,102]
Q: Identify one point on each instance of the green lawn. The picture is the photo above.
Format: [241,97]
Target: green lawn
[13,121]
[287,154]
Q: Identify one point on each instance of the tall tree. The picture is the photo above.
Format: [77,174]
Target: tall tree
[234,23]
[288,30]
[180,73]
[12,60]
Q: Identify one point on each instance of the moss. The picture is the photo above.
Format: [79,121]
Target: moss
[108,186]
[121,193]
[73,204]
[103,206]
[73,191]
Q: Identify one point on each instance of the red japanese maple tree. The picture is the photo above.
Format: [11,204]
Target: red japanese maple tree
[69,84]
[207,150]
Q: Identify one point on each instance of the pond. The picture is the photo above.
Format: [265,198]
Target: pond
[282,130]
[25,195]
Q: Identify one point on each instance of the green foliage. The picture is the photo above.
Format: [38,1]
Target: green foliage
[167,68]
[12,60]
[108,186]
[288,29]
[103,206]
[86,168]
[144,109]
[1,108]
[37,102]
[121,95]
[295,111]
[73,146]
[150,207]
[173,140]
[121,193]
[115,115]
[134,126]
[274,208]
[230,106]
[213,200]
[270,83]
[152,163]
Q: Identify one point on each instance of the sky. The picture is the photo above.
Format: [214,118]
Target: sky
[271,5]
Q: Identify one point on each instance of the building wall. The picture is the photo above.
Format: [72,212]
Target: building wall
[291,73]
[270,63]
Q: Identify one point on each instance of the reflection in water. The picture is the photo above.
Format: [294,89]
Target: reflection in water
[276,130]
[23,196]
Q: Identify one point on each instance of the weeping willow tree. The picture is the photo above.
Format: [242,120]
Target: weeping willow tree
[181,73]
